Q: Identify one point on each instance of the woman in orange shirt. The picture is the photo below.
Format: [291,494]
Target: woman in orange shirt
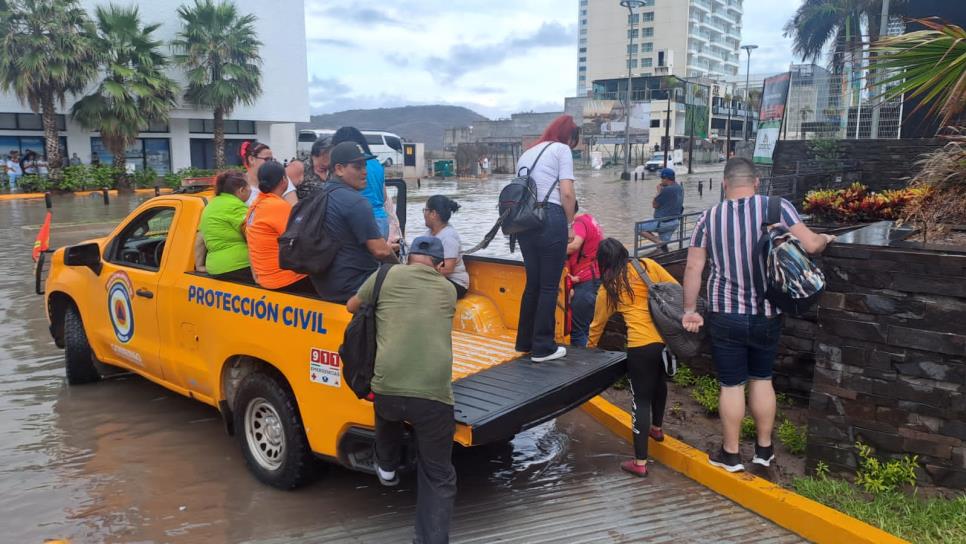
[623,291]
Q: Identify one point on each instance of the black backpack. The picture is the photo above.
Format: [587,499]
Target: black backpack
[305,246]
[358,349]
[793,282]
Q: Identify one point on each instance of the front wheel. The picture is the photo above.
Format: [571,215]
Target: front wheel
[270,432]
[78,357]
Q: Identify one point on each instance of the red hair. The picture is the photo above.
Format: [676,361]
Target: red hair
[562,129]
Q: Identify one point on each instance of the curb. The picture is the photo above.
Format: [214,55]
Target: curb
[805,517]
[113,192]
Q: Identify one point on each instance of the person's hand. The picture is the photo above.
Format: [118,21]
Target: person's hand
[829,238]
[692,321]
[394,245]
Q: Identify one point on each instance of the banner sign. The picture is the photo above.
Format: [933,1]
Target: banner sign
[772,111]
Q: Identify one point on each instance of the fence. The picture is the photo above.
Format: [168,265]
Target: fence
[686,223]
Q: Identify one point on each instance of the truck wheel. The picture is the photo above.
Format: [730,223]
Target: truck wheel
[270,432]
[78,357]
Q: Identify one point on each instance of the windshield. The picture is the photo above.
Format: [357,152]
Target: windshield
[658,157]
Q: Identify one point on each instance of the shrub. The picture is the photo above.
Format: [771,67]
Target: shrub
[877,477]
[856,203]
[684,377]
[748,430]
[144,178]
[705,392]
[32,183]
[793,437]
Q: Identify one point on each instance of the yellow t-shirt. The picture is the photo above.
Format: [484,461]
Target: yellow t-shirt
[640,327]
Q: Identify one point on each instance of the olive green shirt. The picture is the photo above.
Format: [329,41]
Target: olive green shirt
[414,333]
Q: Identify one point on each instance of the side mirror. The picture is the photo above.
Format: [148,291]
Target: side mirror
[88,255]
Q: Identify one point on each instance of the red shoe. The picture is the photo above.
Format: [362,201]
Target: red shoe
[637,470]
[656,434]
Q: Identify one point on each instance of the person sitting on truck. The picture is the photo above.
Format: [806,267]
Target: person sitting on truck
[436,214]
[221,228]
[412,380]
[315,168]
[375,189]
[254,155]
[266,221]
[349,218]
[623,291]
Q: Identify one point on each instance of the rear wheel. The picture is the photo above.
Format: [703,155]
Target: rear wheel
[270,432]
[78,357]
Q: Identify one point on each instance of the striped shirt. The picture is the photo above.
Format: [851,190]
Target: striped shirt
[730,232]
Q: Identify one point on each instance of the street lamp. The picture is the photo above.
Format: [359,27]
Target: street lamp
[748,49]
[630,5]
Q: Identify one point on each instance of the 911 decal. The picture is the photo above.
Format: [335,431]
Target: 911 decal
[324,367]
[119,306]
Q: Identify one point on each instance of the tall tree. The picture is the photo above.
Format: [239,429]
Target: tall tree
[46,52]
[219,51]
[135,91]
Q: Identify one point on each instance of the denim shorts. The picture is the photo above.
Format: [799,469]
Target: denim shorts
[664,229]
[743,346]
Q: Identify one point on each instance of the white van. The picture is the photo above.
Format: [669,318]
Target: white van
[386,146]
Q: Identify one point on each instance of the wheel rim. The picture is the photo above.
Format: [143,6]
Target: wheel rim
[265,435]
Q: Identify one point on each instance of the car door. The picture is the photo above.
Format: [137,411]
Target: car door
[128,314]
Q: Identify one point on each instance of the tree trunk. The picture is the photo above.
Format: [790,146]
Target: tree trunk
[51,138]
[219,138]
[120,167]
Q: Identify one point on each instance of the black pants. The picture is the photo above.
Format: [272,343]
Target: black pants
[433,424]
[460,290]
[649,388]
[243,275]
[544,253]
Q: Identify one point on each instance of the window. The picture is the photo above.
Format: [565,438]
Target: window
[156,126]
[28,143]
[394,143]
[582,59]
[28,121]
[632,49]
[647,47]
[632,63]
[141,244]
[582,69]
[634,19]
[648,32]
[649,16]
[307,137]
[632,33]
[153,153]
[582,78]
[583,50]
[655,123]
[207,126]
[660,58]
[647,63]
[203,152]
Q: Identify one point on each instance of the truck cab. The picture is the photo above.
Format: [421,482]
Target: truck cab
[268,360]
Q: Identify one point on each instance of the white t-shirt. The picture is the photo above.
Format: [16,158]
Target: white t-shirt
[255,192]
[14,167]
[453,249]
[557,162]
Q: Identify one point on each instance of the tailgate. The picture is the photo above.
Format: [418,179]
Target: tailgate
[497,402]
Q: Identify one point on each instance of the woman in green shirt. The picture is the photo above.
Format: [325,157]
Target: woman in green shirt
[221,227]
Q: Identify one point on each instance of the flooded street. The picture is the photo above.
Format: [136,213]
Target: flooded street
[125,460]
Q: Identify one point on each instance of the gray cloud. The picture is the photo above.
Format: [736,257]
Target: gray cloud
[353,12]
[464,58]
[486,89]
[322,89]
[331,42]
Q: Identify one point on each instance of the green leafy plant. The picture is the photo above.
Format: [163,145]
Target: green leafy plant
[144,178]
[622,383]
[677,409]
[705,392]
[877,476]
[792,436]
[821,470]
[748,429]
[32,183]
[684,377]
[783,400]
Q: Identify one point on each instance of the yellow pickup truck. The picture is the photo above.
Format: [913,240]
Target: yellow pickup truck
[268,360]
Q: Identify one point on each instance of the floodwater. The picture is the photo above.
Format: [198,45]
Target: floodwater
[125,460]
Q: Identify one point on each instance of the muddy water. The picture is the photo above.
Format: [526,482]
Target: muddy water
[127,461]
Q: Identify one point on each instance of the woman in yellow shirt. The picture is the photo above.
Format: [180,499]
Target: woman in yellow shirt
[623,291]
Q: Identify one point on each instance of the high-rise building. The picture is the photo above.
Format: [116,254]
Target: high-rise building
[684,38]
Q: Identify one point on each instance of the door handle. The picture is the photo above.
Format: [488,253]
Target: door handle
[145,293]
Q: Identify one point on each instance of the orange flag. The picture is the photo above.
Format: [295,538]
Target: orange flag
[43,238]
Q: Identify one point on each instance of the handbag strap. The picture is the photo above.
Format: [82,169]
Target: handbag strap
[642,272]
[546,198]
[534,165]
[380,277]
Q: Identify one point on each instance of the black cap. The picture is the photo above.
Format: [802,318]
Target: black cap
[347,152]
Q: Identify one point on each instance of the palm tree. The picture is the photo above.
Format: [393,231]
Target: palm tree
[46,52]
[135,90]
[218,49]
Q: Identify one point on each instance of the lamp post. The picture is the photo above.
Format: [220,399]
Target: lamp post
[630,5]
[748,49]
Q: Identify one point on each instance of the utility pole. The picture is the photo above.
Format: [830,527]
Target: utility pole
[748,49]
[630,5]
[731,104]
[667,128]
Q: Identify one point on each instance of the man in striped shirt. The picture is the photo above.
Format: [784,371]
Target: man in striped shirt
[744,326]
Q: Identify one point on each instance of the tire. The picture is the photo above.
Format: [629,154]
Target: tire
[78,357]
[270,432]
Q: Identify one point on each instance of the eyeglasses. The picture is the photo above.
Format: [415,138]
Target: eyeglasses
[268,158]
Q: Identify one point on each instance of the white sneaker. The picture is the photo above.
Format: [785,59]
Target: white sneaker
[559,354]
[387,478]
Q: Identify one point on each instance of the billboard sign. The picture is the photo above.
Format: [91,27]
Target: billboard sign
[773,98]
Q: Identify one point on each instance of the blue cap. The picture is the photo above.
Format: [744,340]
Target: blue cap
[427,245]
[667,173]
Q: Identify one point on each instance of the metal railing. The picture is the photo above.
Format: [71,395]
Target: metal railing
[686,223]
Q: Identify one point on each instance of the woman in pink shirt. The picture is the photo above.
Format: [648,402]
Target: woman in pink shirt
[584,274]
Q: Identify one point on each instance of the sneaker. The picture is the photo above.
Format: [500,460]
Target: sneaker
[559,354]
[656,434]
[728,461]
[637,470]
[388,478]
[764,455]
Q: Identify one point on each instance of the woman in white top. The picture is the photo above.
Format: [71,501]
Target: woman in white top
[254,155]
[551,165]
[436,214]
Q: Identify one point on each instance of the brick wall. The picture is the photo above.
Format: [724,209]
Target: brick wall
[890,359]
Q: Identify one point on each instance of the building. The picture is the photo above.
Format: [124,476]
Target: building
[684,38]
[502,141]
[186,139]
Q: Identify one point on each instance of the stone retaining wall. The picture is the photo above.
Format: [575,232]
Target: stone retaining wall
[890,359]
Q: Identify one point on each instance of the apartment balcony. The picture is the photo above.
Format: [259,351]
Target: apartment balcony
[704,4]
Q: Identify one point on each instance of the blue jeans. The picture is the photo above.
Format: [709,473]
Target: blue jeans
[544,253]
[582,306]
[743,346]
[13,179]
[664,228]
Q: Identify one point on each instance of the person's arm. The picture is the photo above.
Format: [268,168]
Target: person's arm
[353,304]
[697,258]
[657,198]
[382,250]
[812,242]
[568,199]
[602,315]
[575,244]
[364,294]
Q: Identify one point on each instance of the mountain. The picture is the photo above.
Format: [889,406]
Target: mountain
[424,124]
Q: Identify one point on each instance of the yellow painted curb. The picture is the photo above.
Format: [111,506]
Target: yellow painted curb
[807,518]
[32,196]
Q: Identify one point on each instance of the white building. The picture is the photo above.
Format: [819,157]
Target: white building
[186,140]
[684,38]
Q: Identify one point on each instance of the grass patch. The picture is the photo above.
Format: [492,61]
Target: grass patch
[684,377]
[748,430]
[622,383]
[922,521]
[792,436]
[705,392]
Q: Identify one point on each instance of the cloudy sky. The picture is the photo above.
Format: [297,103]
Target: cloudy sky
[494,56]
